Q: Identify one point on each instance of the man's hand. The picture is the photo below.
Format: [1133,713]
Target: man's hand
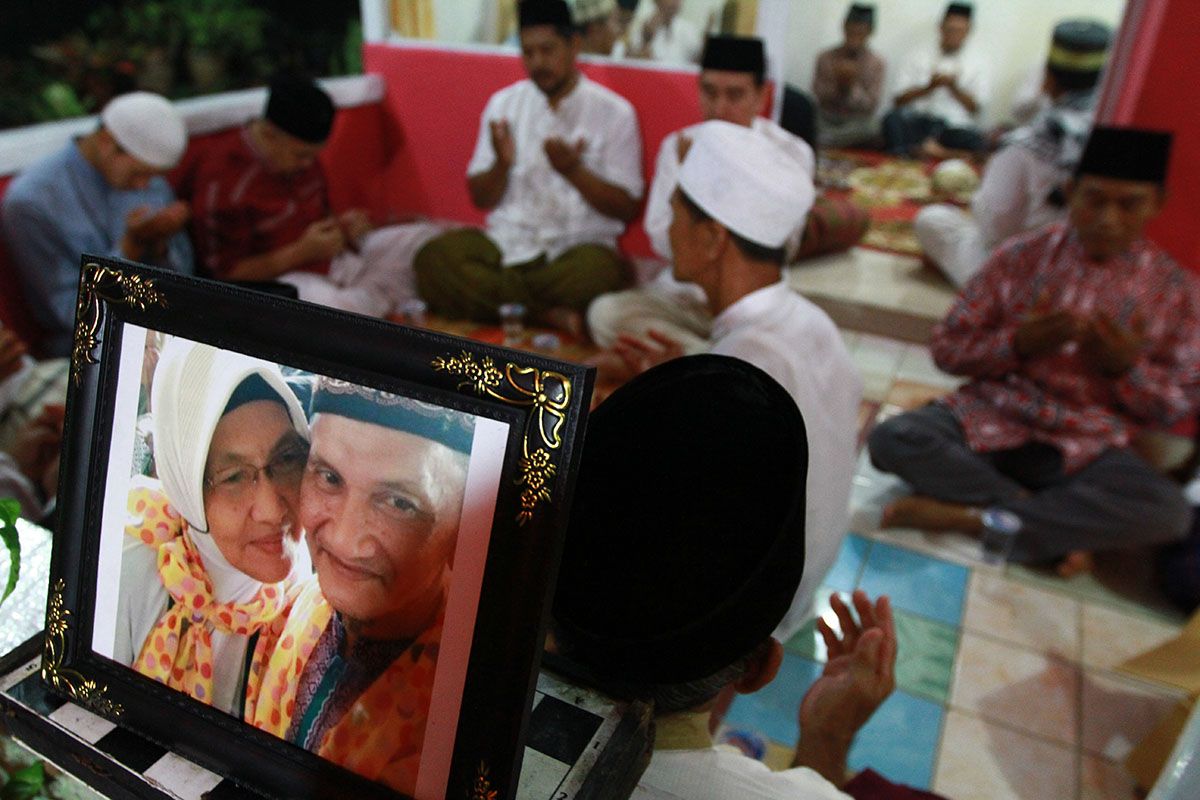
[322,240]
[1043,333]
[355,224]
[949,80]
[845,73]
[564,157]
[640,355]
[1108,346]
[859,675]
[12,351]
[146,233]
[503,143]
[36,447]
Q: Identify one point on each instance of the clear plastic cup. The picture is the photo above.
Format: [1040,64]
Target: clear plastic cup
[512,322]
[1000,530]
[414,311]
[546,342]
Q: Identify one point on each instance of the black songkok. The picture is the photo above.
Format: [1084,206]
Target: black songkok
[1127,154]
[960,9]
[860,12]
[734,54]
[544,12]
[300,108]
[628,5]
[1079,45]
[686,539]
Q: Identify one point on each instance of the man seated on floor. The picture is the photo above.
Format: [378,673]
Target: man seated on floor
[261,212]
[668,37]
[733,89]
[558,164]
[737,201]
[380,503]
[849,83]
[1022,185]
[679,561]
[1073,337]
[102,194]
[941,91]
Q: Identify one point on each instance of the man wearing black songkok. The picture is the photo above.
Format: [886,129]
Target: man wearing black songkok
[261,211]
[1075,339]
[849,83]
[669,588]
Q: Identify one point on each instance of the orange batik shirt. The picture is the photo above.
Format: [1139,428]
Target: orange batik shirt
[381,735]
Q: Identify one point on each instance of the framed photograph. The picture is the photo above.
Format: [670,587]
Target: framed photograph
[312,551]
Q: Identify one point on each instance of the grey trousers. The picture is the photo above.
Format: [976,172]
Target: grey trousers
[1117,501]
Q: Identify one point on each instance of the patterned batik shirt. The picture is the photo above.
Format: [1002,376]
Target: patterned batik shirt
[1058,398]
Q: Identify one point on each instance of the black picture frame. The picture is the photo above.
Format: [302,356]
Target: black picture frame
[542,401]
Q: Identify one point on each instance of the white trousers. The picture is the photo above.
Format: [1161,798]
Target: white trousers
[374,281]
[952,240]
[679,313]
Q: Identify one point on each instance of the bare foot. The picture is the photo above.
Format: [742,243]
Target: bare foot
[1079,562]
[928,514]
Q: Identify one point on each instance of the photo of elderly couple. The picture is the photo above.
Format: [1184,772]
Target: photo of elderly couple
[287,553]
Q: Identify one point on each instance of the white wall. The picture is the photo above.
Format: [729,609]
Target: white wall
[1015,35]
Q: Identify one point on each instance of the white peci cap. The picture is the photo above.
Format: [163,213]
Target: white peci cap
[147,127]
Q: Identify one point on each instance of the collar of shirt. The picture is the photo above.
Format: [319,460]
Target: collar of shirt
[749,307]
[682,731]
[86,173]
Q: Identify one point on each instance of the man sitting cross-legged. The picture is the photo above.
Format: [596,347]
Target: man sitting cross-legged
[558,165]
[1074,338]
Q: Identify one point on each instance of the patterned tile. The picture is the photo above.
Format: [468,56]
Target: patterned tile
[925,656]
[900,740]
[983,761]
[927,586]
[1021,614]
[1111,636]
[1118,712]
[1104,780]
[997,682]
[1121,582]
[909,395]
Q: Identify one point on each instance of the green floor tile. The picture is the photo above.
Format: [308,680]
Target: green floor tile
[925,658]
[804,643]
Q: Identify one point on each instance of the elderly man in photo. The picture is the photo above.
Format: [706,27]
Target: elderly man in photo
[737,202]
[260,200]
[940,92]
[352,675]
[104,193]
[558,166]
[1073,338]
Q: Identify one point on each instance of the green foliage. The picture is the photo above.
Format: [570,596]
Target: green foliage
[25,784]
[9,511]
[228,26]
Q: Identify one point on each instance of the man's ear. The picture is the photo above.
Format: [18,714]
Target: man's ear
[714,238]
[764,666]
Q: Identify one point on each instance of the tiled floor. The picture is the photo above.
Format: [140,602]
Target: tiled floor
[1005,678]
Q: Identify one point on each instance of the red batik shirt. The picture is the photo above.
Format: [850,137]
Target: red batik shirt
[240,209]
[1057,398]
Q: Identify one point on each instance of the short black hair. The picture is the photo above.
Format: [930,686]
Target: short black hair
[751,250]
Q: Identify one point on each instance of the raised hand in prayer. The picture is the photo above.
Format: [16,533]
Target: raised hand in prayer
[146,233]
[355,224]
[322,240]
[845,73]
[1110,347]
[859,675]
[564,157]
[640,355]
[12,352]
[1043,333]
[503,143]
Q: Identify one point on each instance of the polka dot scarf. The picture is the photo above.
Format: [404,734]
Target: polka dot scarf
[178,650]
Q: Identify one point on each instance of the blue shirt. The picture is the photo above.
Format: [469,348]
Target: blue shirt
[57,210]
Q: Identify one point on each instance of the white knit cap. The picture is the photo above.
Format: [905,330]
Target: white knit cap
[746,182]
[192,386]
[147,127]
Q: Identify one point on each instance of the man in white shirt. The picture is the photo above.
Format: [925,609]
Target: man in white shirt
[558,165]
[737,203]
[733,89]
[940,93]
[684,548]
[669,38]
[1021,189]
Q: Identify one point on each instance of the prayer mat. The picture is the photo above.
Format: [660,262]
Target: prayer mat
[891,189]
[569,347]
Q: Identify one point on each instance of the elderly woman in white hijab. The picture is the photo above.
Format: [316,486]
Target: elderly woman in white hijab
[212,543]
